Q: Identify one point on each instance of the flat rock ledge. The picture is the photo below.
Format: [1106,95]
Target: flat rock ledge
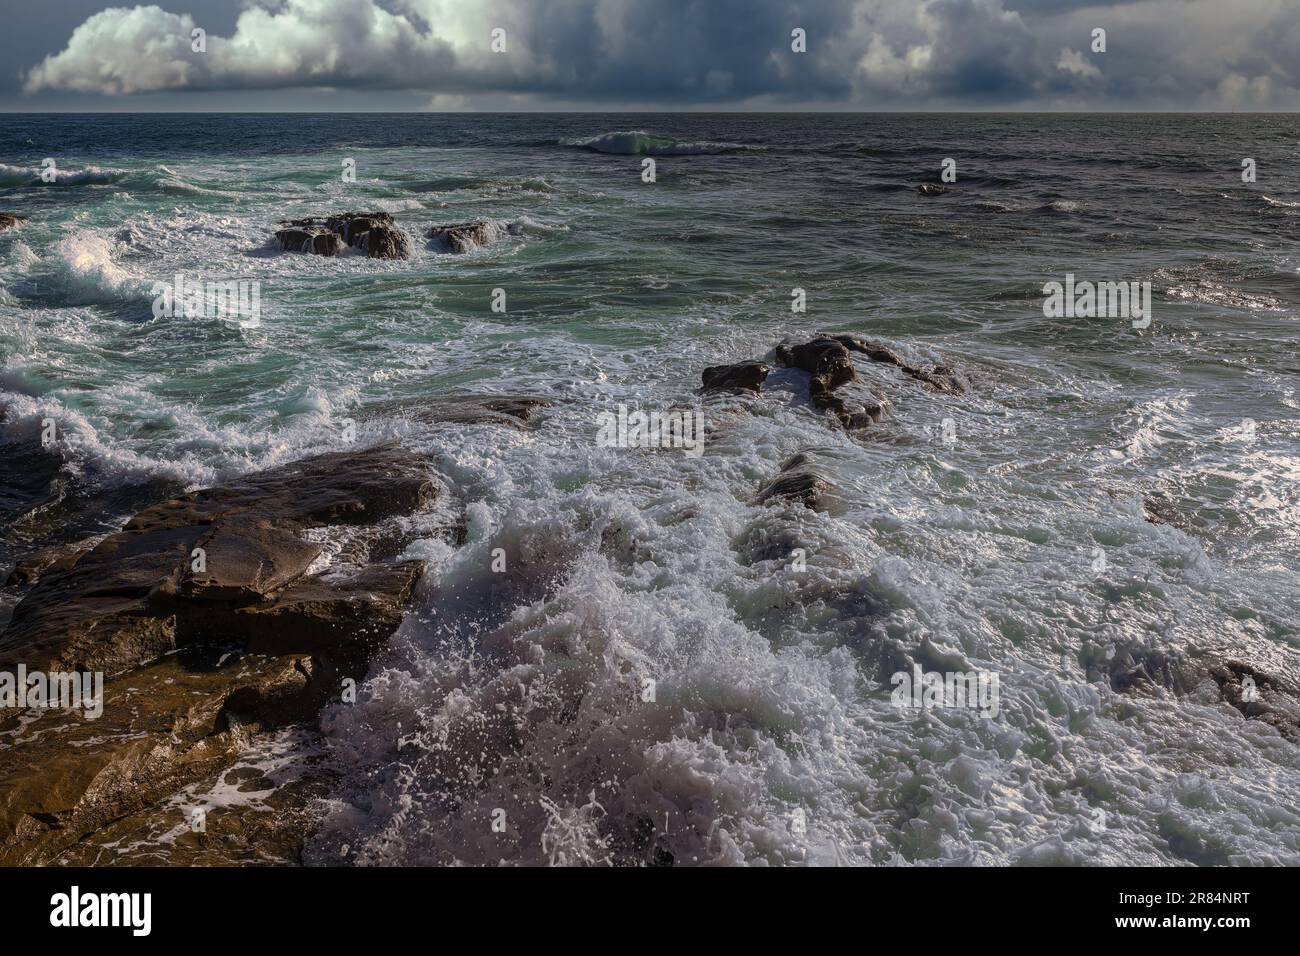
[199,654]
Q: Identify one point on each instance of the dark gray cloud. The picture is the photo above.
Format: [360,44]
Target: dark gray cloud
[910,54]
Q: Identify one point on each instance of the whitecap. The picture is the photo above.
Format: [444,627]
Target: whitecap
[640,143]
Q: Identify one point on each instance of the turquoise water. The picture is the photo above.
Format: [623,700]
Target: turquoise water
[772,684]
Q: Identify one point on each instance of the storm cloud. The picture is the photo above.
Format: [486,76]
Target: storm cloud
[1182,54]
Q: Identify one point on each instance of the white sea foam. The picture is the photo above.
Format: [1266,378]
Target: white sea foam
[86,272]
[523,691]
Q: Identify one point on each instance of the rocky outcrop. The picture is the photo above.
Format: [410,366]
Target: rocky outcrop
[11,220]
[740,377]
[931,189]
[827,362]
[29,569]
[462,236]
[210,615]
[825,359]
[798,482]
[942,378]
[317,242]
[374,233]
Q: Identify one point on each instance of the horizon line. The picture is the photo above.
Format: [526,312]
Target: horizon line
[741,112]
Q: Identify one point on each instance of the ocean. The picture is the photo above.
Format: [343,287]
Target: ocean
[1103,504]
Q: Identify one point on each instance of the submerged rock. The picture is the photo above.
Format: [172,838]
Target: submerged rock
[462,236]
[798,482]
[1257,694]
[207,617]
[11,220]
[941,378]
[931,189]
[375,233]
[514,411]
[742,376]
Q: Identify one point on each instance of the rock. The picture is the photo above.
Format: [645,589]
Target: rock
[317,242]
[825,359]
[196,658]
[463,236]
[384,242]
[941,378]
[827,362]
[353,226]
[123,602]
[931,189]
[743,376]
[305,240]
[852,414]
[57,558]
[11,220]
[798,483]
[1268,698]
[513,411]
[162,727]
[373,232]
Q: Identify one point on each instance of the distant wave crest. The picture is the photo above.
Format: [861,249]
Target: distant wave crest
[640,143]
[31,176]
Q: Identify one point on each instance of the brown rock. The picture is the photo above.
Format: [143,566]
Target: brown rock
[743,376]
[11,220]
[258,642]
[383,242]
[826,360]
[374,232]
[798,482]
[462,236]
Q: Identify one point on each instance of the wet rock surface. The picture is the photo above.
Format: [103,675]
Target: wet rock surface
[799,482]
[940,377]
[462,236]
[931,189]
[211,619]
[1258,694]
[512,411]
[742,376]
[374,233]
[827,362]
[11,220]
[1258,690]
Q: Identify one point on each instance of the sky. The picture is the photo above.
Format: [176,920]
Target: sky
[340,55]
